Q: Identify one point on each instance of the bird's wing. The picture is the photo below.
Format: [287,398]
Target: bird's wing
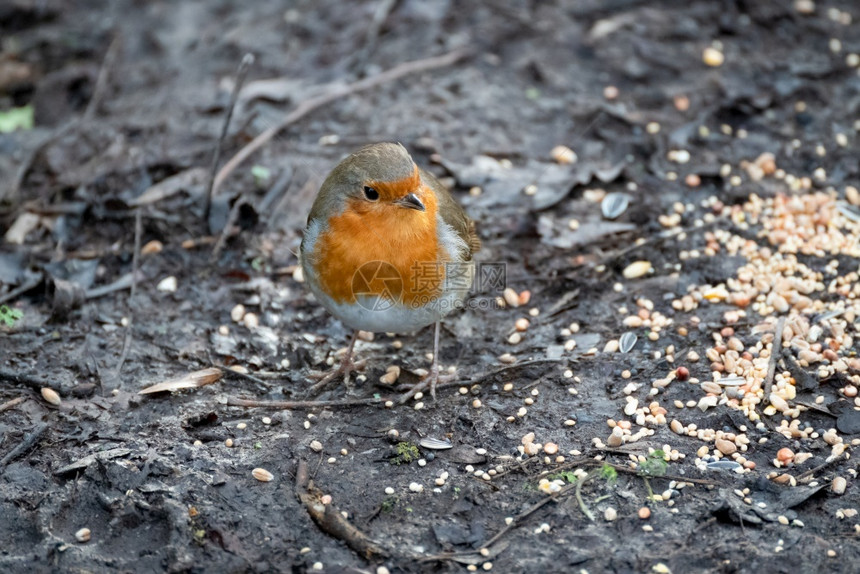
[453,214]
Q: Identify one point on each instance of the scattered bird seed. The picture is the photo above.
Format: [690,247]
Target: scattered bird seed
[51,396]
[262,475]
[167,285]
[416,487]
[83,535]
[237,313]
[627,342]
[637,269]
[614,204]
[713,57]
[316,446]
[563,155]
[838,485]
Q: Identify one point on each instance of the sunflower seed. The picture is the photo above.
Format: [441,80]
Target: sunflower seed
[435,443]
[614,204]
[731,381]
[724,465]
[627,342]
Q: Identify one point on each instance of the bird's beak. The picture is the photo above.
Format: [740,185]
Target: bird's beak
[411,201]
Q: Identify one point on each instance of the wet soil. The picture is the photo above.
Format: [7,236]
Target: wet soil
[127,95]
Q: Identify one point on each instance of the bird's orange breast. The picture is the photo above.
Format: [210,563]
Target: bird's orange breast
[382,250]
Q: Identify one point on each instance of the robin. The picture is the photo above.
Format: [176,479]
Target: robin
[387,249]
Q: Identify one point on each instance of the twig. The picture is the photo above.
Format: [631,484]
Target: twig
[330,520]
[11,404]
[821,466]
[244,65]
[311,104]
[135,258]
[19,379]
[526,513]
[485,376]
[23,288]
[299,405]
[816,408]
[25,445]
[120,284]
[102,78]
[578,493]
[775,352]
[135,262]
[228,225]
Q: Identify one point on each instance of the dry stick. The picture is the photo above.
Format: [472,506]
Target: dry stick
[519,519]
[330,520]
[775,352]
[98,95]
[485,376]
[311,104]
[237,402]
[25,445]
[11,404]
[244,65]
[102,78]
[135,259]
[32,382]
[228,225]
[821,466]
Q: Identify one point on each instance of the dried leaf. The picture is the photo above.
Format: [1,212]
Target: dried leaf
[190,178]
[190,381]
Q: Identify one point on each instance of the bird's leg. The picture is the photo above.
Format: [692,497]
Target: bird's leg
[433,377]
[346,367]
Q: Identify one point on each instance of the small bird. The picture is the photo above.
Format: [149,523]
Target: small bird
[387,249]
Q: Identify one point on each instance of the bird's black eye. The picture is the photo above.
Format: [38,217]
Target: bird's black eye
[370,193]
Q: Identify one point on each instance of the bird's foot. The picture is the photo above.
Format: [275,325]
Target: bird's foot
[324,380]
[430,381]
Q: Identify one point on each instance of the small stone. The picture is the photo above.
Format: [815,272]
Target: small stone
[610,514]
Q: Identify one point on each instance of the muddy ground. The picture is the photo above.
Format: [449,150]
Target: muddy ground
[127,95]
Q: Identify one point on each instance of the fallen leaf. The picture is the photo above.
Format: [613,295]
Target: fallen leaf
[189,381]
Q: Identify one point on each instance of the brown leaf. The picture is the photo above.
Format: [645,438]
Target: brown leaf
[189,381]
